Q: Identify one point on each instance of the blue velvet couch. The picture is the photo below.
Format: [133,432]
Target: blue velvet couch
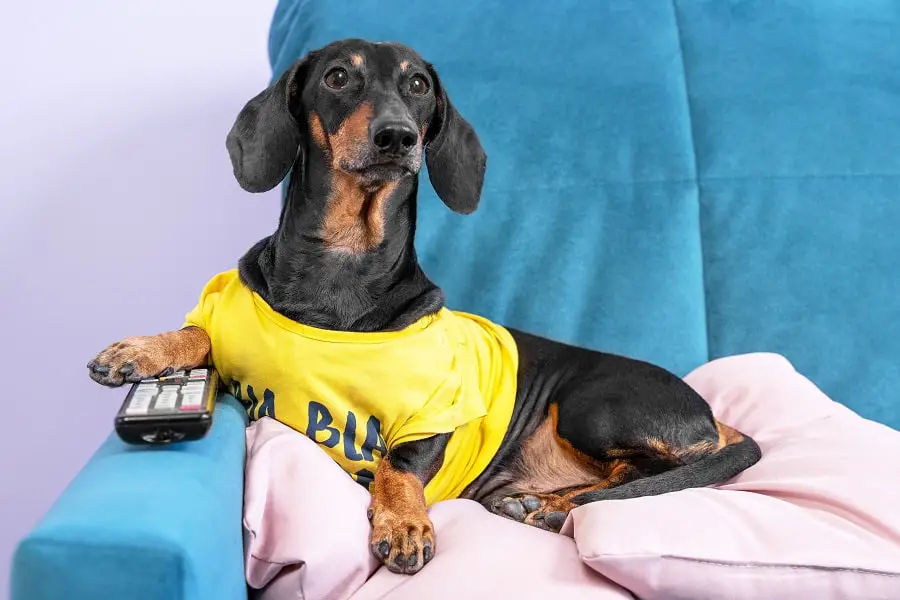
[675,180]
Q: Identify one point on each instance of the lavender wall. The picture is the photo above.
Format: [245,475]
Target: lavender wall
[116,204]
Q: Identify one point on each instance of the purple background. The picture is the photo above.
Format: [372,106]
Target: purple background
[116,204]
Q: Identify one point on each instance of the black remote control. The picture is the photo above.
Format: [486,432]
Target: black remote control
[173,408]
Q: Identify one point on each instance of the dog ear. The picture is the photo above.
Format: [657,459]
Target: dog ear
[456,161]
[265,138]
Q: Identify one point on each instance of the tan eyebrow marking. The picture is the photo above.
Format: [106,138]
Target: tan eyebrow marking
[404,65]
[356,60]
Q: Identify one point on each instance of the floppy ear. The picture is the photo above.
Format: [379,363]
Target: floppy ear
[265,138]
[456,161]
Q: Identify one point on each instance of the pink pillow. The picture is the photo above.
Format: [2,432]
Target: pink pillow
[818,517]
[306,537]
[305,525]
[484,556]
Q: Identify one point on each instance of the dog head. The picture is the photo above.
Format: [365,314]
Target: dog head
[369,111]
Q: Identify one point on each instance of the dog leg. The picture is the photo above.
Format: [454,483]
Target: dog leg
[549,511]
[402,534]
[137,358]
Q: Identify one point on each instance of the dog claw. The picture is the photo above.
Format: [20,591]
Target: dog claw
[127,368]
[403,544]
[555,520]
[531,503]
[513,509]
[547,511]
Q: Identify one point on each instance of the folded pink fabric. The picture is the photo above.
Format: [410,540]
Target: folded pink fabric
[306,538]
[303,514]
[817,518]
[484,556]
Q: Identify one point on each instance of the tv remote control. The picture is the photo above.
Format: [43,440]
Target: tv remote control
[172,408]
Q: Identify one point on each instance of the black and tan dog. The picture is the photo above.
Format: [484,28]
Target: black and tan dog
[351,123]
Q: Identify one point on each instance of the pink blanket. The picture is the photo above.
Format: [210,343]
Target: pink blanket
[818,517]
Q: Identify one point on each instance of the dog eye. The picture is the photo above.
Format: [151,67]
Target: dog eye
[418,85]
[337,78]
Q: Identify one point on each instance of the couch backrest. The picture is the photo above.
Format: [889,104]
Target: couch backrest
[672,180]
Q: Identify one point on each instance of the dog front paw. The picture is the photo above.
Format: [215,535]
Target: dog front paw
[131,360]
[403,541]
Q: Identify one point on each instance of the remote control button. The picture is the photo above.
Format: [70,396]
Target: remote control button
[190,408]
[198,374]
[139,405]
[140,402]
[166,400]
[191,399]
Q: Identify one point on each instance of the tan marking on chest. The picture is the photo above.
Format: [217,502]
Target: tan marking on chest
[354,219]
[355,216]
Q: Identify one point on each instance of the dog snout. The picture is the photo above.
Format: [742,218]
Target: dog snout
[394,138]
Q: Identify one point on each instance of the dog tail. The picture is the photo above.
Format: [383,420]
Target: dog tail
[736,453]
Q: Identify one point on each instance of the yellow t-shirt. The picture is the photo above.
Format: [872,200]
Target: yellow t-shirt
[357,394]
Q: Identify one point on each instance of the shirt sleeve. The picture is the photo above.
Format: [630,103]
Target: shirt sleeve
[201,315]
[452,405]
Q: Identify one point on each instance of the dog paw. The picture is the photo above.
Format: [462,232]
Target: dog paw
[130,360]
[544,511]
[403,541]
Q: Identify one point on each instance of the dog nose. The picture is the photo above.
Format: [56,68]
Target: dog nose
[394,139]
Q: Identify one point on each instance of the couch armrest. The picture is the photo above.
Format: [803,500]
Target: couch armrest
[145,523]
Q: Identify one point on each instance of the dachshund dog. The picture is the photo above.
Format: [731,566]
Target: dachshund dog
[456,406]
